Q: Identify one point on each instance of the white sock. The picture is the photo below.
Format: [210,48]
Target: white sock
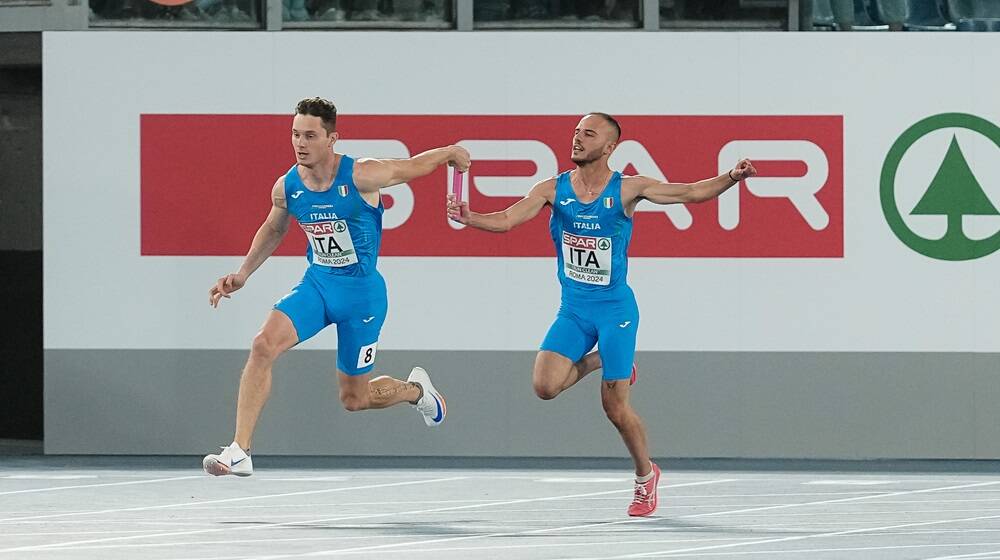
[647,478]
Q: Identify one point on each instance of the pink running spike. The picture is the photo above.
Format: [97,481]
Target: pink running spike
[457,178]
[645,501]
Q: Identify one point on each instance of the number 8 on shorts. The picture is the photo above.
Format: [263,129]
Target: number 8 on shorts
[366,356]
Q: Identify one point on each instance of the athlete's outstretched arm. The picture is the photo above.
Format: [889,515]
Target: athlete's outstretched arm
[658,192]
[267,239]
[521,211]
[372,174]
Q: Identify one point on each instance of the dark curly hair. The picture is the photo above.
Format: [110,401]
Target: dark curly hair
[322,108]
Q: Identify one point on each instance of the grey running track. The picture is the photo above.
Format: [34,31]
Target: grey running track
[64,507]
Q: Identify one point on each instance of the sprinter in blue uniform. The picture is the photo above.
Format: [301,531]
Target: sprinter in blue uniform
[591,227]
[336,202]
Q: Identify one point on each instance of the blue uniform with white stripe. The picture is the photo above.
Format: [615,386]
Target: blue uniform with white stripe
[342,284]
[598,306]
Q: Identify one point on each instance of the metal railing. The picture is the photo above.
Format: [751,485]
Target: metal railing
[460,15]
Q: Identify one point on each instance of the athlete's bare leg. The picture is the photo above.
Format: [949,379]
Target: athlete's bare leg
[275,337]
[615,398]
[554,373]
[358,392]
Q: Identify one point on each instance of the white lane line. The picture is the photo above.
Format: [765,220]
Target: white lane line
[844,500]
[428,551]
[214,557]
[47,476]
[326,491]
[851,482]
[874,497]
[102,522]
[413,544]
[69,545]
[311,479]
[802,551]
[412,513]
[632,542]
[790,525]
[770,528]
[248,541]
[366,536]
[224,500]
[569,480]
[130,482]
[803,527]
[585,499]
[528,515]
[778,495]
[566,545]
[667,553]
[737,553]
[970,500]
[852,513]
[976,555]
[820,535]
[63,533]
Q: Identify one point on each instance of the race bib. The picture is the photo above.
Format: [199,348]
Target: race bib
[331,243]
[587,259]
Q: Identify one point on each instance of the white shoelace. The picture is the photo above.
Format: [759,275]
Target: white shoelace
[641,494]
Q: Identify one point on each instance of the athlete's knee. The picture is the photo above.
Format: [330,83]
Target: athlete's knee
[265,346]
[618,416]
[545,384]
[353,402]
[617,410]
[546,390]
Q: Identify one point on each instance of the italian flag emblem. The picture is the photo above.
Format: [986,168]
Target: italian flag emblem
[342,189]
[609,202]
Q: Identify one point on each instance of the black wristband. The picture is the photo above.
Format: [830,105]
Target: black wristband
[730,173]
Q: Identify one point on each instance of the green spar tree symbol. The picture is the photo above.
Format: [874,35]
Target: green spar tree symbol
[954,192]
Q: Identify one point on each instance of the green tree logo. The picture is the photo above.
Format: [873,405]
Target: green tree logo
[954,192]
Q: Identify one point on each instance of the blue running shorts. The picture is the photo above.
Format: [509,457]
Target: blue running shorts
[609,322]
[357,304]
